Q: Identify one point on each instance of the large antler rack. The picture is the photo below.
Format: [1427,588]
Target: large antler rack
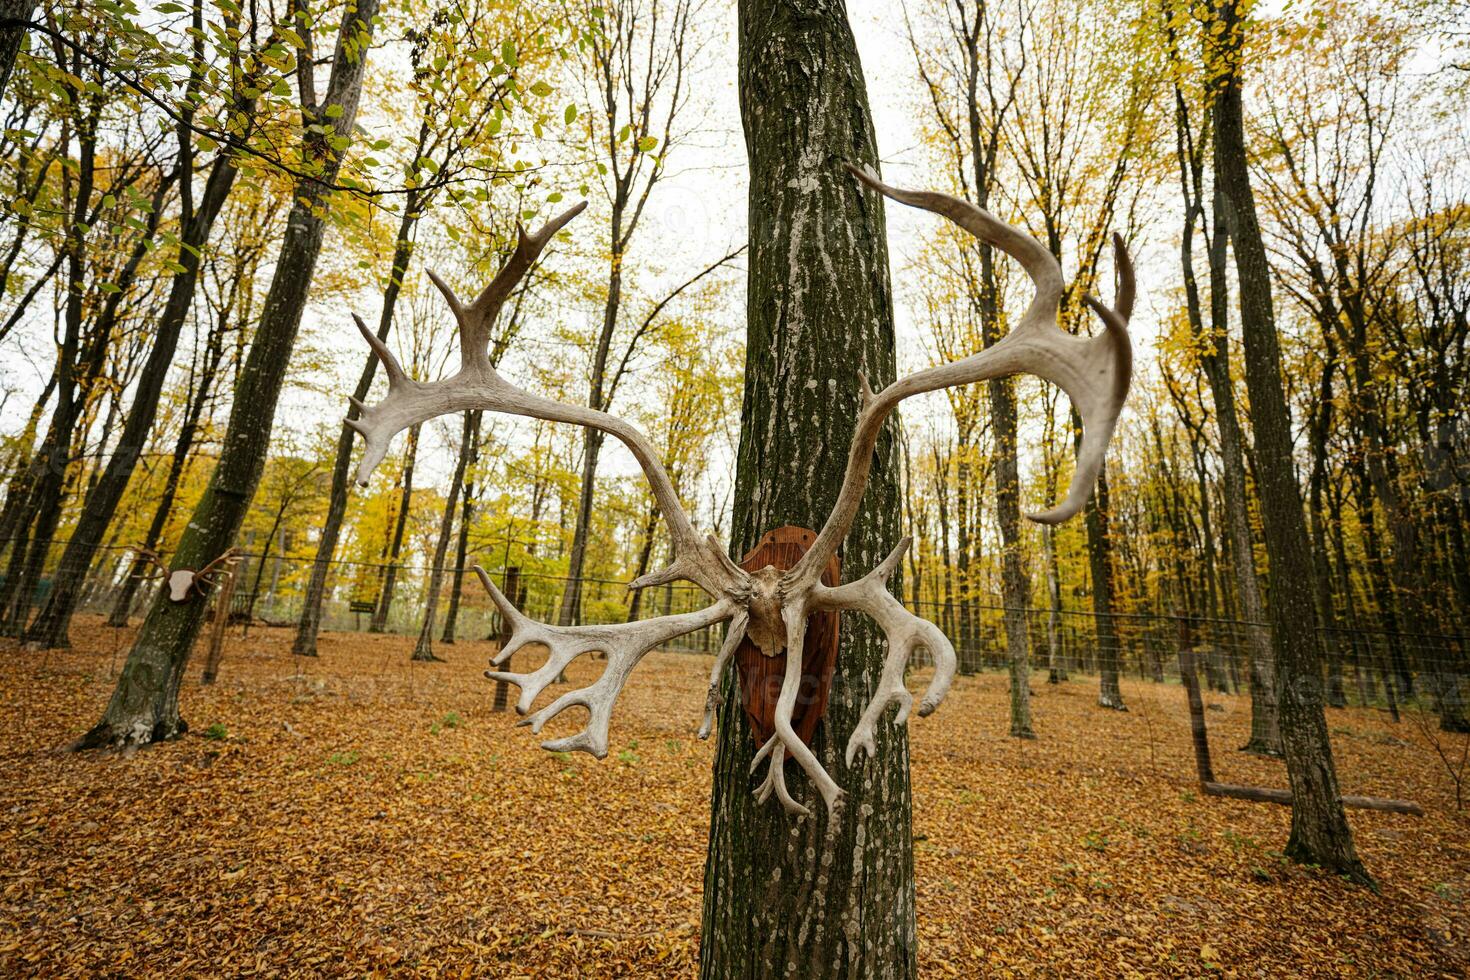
[1095,373]
[768,605]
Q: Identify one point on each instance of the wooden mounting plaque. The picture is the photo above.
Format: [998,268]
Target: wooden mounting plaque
[760,675]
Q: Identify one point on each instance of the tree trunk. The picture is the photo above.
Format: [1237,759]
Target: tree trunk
[423,650]
[379,621]
[310,623]
[1056,671]
[515,591]
[144,706]
[571,596]
[645,555]
[786,898]
[1319,829]
[1015,584]
[462,544]
[1100,565]
[12,36]
[1265,736]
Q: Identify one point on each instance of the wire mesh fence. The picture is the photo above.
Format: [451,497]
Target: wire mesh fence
[1363,667]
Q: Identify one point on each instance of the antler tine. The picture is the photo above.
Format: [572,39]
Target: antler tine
[149,556]
[786,741]
[905,633]
[476,319]
[391,367]
[625,645]
[1094,371]
[732,640]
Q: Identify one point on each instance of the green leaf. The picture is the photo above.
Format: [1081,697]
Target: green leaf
[571,114]
[541,90]
[647,143]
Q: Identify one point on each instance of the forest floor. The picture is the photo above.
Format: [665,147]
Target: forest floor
[357,814]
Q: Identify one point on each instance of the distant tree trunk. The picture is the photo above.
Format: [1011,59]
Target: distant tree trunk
[310,623]
[964,586]
[11,36]
[1056,670]
[1100,564]
[423,650]
[379,621]
[1265,736]
[1015,583]
[462,546]
[144,706]
[571,596]
[645,555]
[515,591]
[1319,830]
[782,897]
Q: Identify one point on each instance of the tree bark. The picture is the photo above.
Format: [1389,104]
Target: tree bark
[784,898]
[1265,736]
[12,36]
[144,706]
[1100,566]
[1319,829]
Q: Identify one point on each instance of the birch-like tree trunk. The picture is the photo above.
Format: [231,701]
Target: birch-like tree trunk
[787,898]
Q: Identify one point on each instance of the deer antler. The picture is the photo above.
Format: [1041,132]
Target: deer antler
[1093,371]
[148,557]
[477,385]
[204,578]
[769,606]
[625,644]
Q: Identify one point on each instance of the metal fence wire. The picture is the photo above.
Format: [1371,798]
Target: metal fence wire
[1362,666]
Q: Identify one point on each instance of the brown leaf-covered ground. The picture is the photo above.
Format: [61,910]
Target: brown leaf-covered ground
[361,815]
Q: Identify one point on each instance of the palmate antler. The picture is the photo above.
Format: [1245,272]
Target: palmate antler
[770,606]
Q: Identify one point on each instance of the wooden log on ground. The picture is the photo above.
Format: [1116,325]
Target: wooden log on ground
[1262,794]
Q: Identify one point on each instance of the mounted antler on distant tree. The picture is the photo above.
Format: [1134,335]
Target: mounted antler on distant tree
[769,606]
[185,583]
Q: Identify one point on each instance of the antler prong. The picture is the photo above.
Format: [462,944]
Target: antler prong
[625,644]
[391,367]
[455,306]
[733,636]
[904,633]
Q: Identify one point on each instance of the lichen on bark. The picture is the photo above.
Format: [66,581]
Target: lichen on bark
[818,897]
